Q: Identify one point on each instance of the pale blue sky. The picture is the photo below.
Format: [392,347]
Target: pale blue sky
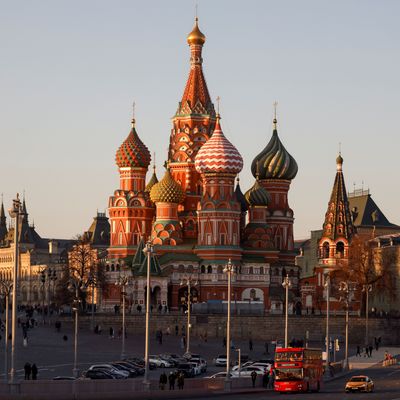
[71,69]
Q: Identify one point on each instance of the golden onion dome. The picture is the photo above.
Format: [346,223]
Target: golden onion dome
[167,190]
[196,36]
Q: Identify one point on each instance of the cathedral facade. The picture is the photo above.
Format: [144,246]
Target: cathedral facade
[197,217]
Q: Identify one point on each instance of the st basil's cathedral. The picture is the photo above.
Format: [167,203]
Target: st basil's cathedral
[197,217]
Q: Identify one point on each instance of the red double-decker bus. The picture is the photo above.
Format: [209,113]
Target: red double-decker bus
[298,369]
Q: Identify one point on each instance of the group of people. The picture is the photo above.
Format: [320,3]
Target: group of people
[268,378]
[367,351]
[173,377]
[30,370]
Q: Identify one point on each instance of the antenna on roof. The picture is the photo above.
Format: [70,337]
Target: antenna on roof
[133,110]
[218,101]
[196,11]
[340,148]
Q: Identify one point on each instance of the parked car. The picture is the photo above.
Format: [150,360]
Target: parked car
[160,362]
[220,361]
[64,378]
[131,371]
[219,375]
[110,369]
[186,369]
[140,370]
[140,361]
[98,374]
[196,368]
[246,364]
[169,359]
[247,371]
[263,365]
[360,383]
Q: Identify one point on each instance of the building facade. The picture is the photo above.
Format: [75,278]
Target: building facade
[197,217]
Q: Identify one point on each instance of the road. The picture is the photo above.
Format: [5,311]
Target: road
[387,387]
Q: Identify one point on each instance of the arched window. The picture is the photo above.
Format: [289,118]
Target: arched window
[325,250]
[340,249]
[203,269]
[209,269]
[251,270]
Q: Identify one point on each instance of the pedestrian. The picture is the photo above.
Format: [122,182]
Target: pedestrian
[271,379]
[181,381]
[253,378]
[358,354]
[266,348]
[65,338]
[370,348]
[27,370]
[176,330]
[111,333]
[224,342]
[151,308]
[266,378]
[159,309]
[376,343]
[366,354]
[160,336]
[168,330]
[163,380]
[34,372]
[171,379]
[250,345]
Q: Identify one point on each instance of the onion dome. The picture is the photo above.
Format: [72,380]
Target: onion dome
[274,162]
[153,180]
[339,162]
[196,36]
[133,152]
[167,190]
[218,154]
[240,197]
[257,196]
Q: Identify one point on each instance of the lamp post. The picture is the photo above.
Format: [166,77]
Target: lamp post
[367,288]
[239,361]
[347,293]
[122,282]
[148,250]
[229,269]
[92,283]
[189,283]
[286,284]
[14,213]
[51,277]
[327,285]
[74,286]
[43,280]
[6,287]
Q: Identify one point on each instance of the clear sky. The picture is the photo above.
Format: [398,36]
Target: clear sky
[70,71]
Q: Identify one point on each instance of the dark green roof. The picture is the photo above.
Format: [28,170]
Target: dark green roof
[172,256]
[365,212]
[141,270]
[139,255]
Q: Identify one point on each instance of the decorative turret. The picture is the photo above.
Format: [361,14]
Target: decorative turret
[3,222]
[167,190]
[257,196]
[130,209]
[275,168]
[167,195]
[274,161]
[218,155]
[219,212]
[153,180]
[338,228]
[193,125]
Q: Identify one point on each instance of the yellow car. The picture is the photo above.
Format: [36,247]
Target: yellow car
[360,383]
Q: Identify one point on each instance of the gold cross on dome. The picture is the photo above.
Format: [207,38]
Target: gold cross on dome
[275,104]
[218,100]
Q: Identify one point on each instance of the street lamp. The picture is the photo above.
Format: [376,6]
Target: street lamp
[239,361]
[229,269]
[92,283]
[327,285]
[286,284]
[76,285]
[188,282]
[148,251]
[346,290]
[14,213]
[6,287]
[367,288]
[122,282]
[43,280]
[52,277]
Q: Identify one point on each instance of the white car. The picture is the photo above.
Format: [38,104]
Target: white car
[246,364]
[220,361]
[160,362]
[219,375]
[203,365]
[196,368]
[262,365]
[247,371]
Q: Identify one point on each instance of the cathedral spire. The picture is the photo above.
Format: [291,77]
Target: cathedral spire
[3,221]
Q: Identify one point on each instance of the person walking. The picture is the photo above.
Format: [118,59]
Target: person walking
[253,378]
[266,348]
[111,332]
[370,348]
[358,353]
[181,381]
[250,345]
[27,370]
[271,379]
[34,371]
[171,379]
[163,380]
[266,378]
[176,330]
